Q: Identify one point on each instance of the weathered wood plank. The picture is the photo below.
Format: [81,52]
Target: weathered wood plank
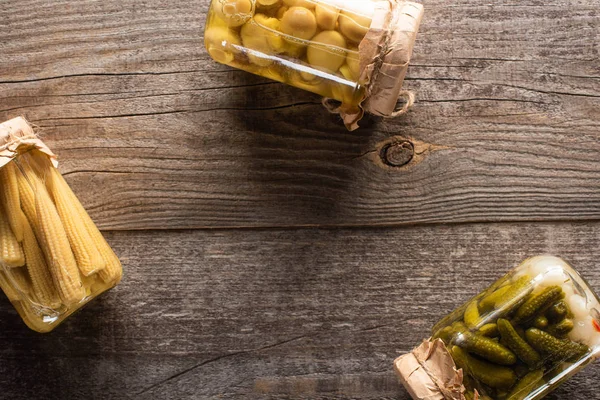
[153,134]
[291,314]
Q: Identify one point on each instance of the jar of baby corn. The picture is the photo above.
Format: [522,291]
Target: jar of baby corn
[53,258]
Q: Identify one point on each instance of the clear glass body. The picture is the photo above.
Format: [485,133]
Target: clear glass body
[527,333]
[53,259]
[309,44]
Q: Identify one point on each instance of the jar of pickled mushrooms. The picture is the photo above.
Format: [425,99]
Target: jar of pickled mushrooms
[354,52]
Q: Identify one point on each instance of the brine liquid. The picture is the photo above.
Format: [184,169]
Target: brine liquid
[41,318]
[312,45]
[526,334]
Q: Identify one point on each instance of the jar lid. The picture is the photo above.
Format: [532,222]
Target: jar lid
[385,53]
[428,372]
[395,54]
[17,136]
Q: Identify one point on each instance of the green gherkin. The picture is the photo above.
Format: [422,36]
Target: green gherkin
[521,370]
[512,339]
[507,297]
[489,330]
[488,349]
[488,303]
[505,301]
[495,376]
[526,385]
[445,334]
[538,303]
[469,395]
[562,328]
[540,322]
[471,316]
[459,327]
[554,348]
[558,311]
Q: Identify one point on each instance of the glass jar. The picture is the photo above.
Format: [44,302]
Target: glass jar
[352,51]
[53,258]
[524,335]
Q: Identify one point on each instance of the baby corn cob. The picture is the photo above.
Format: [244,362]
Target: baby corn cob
[27,197]
[10,199]
[43,286]
[89,260]
[19,280]
[88,283]
[112,271]
[7,288]
[11,253]
[57,250]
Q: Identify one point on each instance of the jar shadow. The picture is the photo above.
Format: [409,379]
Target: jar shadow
[55,364]
[299,161]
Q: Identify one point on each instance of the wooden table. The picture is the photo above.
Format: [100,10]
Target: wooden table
[267,251]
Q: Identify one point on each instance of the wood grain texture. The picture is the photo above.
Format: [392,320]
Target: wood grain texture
[153,134]
[288,314]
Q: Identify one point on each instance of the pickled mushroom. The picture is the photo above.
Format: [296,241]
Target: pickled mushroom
[300,3]
[220,43]
[281,11]
[267,2]
[309,77]
[312,84]
[346,72]
[353,63]
[327,16]
[268,7]
[294,50]
[354,26]
[260,34]
[327,50]
[236,12]
[345,94]
[299,22]
[274,72]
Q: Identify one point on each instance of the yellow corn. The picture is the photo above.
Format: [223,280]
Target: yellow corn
[19,279]
[41,279]
[112,271]
[10,199]
[86,254]
[88,282]
[57,250]
[8,289]
[27,197]
[11,253]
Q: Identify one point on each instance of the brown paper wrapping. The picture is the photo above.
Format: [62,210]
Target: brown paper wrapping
[17,136]
[385,53]
[428,372]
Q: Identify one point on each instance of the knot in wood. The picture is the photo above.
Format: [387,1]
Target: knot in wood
[397,154]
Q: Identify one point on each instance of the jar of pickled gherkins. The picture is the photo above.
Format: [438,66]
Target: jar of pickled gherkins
[519,339]
[355,52]
[53,259]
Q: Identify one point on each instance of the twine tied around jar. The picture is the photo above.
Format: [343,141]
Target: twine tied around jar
[384,54]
